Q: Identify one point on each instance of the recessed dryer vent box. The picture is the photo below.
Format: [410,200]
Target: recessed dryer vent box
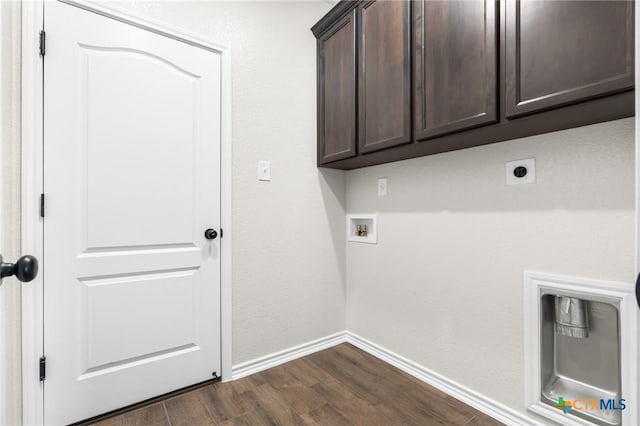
[362,228]
[580,358]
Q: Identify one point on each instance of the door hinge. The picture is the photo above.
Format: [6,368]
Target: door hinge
[42,43]
[43,368]
[41,205]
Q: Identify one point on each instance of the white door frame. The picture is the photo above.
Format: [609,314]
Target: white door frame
[637,159]
[3,342]
[32,187]
[637,162]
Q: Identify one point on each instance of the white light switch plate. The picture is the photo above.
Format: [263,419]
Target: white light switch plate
[264,170]
[382,187]
[530,177]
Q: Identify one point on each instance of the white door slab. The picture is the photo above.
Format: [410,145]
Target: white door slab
[132,180]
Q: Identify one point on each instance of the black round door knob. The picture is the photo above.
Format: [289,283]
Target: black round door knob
[210,234]
[25,269]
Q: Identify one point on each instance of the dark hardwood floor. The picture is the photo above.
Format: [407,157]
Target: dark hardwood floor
[339,386]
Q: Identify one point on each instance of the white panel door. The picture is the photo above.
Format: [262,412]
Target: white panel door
[132,181]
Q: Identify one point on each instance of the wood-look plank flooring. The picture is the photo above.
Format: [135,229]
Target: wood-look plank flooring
[338,386]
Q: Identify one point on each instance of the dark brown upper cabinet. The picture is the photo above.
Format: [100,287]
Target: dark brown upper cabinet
[562,52]
[384,59]
[337,91]
[403,79]
[455,61]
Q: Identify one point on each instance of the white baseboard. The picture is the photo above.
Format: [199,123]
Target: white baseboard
[269,361]
[470,397]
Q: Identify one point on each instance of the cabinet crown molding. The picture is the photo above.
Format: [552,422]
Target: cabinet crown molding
[338,11]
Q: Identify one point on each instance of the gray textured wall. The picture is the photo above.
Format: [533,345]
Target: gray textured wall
[444,285]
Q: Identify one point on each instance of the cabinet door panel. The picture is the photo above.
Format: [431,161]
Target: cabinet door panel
[455,66]
[337,91]
[384,118]
[561,52]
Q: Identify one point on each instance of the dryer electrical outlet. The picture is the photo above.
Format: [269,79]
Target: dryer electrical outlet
[521,171]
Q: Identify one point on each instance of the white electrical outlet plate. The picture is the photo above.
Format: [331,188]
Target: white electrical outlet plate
[382,187]
[264,170]
[521,171]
